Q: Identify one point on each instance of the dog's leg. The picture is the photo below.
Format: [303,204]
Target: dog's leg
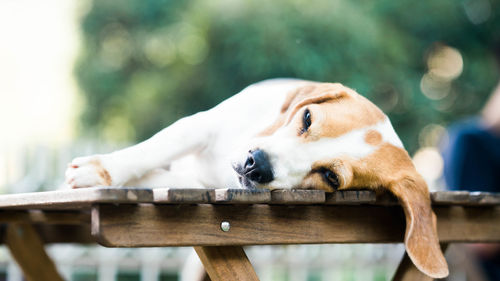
[188,135]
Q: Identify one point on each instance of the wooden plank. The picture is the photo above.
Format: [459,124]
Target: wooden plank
[83,198]
[75,199]
[407,271]
[148,225]
[45,217]
[260,224]
[184,195]
[450,197]
[297,196]
[27,249]
[226,263]
[465,198]
[351,197]
[242,196]
[484,198]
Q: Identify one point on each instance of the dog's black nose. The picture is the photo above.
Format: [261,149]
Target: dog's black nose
[257,167]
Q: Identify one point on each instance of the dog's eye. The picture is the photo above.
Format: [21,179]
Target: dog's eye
[330,178]
[306,121]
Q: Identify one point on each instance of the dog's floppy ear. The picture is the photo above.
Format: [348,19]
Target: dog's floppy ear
[421,240]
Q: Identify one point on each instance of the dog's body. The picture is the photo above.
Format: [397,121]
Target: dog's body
[281,133]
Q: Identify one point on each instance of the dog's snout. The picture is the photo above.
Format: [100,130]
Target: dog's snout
[257,167]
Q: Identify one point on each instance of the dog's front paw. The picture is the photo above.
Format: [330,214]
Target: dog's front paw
[87,171]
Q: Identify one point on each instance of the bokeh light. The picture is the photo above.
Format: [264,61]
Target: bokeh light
[444,65]
[429,163]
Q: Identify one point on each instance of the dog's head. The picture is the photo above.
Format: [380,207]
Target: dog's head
[331,138]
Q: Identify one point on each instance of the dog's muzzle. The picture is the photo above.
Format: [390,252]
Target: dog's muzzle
[256,169]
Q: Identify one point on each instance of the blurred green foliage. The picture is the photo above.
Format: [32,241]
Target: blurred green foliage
[144,64]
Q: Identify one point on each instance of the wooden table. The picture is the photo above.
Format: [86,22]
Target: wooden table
[218,222]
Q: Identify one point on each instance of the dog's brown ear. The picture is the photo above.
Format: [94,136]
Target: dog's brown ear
[421,240]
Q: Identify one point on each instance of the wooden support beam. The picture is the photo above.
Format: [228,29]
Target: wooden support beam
[65,233]
[28,250]
[44,217]
[226,263]
[261,224]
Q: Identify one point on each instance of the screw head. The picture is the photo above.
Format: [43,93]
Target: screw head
[225,226]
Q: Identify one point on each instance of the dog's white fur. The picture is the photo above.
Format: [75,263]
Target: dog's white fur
[198,151]
[348,136]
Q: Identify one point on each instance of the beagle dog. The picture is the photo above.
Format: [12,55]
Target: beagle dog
[280,134]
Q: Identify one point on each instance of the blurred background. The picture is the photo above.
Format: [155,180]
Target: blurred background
[90,76]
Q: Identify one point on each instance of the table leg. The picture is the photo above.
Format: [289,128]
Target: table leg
[28,250]
[408,272]
[226,263]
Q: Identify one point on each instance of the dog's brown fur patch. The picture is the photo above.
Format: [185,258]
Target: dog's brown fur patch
[103,173]
[373,137]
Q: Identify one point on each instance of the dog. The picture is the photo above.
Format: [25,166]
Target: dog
[280,134]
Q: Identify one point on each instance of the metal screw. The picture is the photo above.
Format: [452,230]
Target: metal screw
[225,226]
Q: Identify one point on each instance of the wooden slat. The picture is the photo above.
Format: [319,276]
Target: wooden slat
[184,196]
[242,196]
[449,197]
[260,224]
[465,198]
[45,217]
[83,198]
[297,196]
[27,249]
[226,263]
[350,197]
[76,199]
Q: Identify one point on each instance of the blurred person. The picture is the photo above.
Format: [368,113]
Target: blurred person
[472,163]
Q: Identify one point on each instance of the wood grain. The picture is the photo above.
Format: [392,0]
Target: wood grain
[465,198]
[226,263]
[27,249]
[75,199]
[190,225]
[242,196]
[82,199]
[350,197]
[259,224]
[184,195]
[297,196]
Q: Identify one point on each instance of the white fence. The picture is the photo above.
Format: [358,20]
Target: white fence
[277,263]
